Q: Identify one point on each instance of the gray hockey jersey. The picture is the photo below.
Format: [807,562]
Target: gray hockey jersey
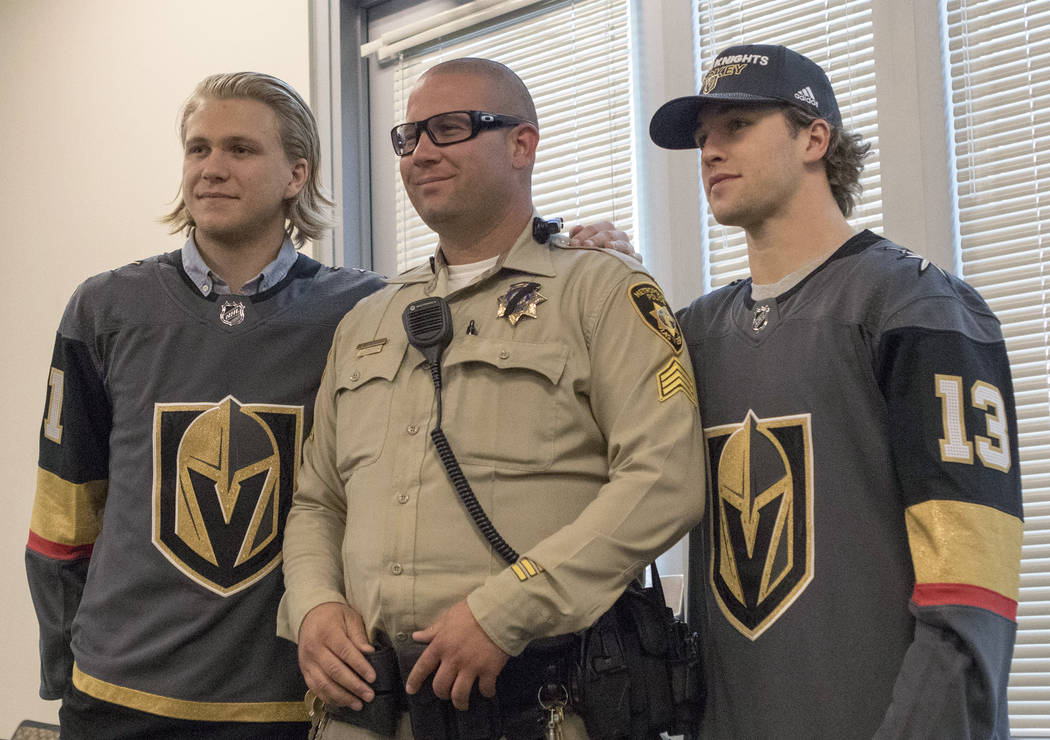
[857,574]
[168,452]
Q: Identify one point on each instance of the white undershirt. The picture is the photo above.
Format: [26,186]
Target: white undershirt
[789,281]
[460,276]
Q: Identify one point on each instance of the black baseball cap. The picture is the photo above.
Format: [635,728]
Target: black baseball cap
[748,74]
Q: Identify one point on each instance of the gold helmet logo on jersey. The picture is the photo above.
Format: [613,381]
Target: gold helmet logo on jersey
[761,555]
[222,486]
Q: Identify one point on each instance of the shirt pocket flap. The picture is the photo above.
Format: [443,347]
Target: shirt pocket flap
[371,361]
[547,359]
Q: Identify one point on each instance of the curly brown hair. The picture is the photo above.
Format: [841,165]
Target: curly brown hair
[843,161]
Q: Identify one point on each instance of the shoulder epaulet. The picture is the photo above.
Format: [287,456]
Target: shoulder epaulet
[626,259]
[566,244]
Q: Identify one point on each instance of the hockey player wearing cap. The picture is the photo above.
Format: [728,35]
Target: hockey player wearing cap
[858,572]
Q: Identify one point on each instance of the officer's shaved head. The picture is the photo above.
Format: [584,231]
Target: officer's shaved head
[506,92]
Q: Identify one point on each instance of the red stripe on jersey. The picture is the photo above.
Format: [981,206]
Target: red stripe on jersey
[962,594]
[56,550]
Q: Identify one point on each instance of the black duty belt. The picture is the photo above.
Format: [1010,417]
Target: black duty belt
[514,713]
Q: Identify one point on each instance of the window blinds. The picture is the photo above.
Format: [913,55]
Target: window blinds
[837,36]
[998,54]
[574,58]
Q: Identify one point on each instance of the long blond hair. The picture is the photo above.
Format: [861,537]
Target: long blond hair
[308,212]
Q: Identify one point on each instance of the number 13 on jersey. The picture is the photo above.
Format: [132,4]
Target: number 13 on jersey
[992,450]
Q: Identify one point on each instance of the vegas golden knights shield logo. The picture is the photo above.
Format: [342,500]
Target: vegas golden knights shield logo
[761,537]
[222,486]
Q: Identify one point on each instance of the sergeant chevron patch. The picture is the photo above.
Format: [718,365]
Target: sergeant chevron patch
[674,378]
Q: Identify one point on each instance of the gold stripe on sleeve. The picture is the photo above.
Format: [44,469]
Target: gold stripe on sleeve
[961,542]
[67,513]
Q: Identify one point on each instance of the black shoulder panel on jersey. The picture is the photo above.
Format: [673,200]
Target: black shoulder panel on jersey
[75,444]
[857,243]
[952,421]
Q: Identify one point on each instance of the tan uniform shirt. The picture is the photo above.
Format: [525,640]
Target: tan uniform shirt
[573,416]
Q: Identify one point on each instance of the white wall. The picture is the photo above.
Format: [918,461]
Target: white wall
[89,92]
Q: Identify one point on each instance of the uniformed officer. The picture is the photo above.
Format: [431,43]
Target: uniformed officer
[567,397]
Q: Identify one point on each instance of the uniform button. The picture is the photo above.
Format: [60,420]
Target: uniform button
[401,637]
[205,288]
[396,569]
[504,354]
[412,429]
[402,498]
[355,375]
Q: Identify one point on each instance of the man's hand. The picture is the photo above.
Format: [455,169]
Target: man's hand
[332,641]
[461,652]
[602,234]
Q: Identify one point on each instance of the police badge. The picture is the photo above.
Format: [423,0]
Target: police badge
[519,302]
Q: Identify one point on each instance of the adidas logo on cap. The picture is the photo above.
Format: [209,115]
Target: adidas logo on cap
[806,96]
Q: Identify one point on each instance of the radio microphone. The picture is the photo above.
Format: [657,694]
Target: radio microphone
[428,324]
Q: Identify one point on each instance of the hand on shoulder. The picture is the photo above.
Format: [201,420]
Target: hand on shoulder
[604,235]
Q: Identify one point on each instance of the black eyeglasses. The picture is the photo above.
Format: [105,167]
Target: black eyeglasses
[448,128]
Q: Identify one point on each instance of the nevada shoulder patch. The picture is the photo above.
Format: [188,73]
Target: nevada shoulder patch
[651,306]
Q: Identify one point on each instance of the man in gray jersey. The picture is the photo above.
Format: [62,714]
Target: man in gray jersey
[858,572]
[180,391]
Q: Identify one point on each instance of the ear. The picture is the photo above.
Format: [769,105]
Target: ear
[523,141]
[300,171]
[816,138]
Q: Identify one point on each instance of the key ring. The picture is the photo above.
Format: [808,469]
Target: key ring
[552,696]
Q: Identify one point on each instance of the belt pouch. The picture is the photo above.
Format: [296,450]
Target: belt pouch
[436,719]
[545,662]
[381,715]
[429,714]
[604,686]
[481,721]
